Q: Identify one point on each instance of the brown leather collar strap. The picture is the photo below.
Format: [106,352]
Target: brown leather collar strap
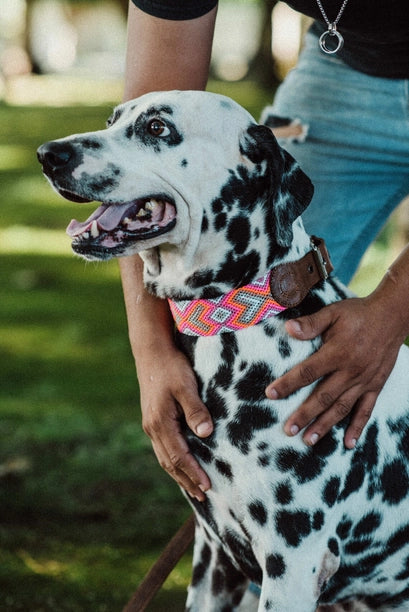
[290,282]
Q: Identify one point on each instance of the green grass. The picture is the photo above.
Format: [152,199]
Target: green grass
[84,507]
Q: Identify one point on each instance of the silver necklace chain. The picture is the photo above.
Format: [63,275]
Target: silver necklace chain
[332,30]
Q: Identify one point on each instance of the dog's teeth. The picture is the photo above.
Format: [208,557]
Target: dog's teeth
[151,204]
[94,229]
[85,235]
[141,213]
[126,221]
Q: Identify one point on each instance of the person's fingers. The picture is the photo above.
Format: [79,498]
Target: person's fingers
[311,326]
[167,400]
[360,417]
[305,373]
[174,455]
[337,410]
[180,464]
[329,401]
[348,403]
[196,414]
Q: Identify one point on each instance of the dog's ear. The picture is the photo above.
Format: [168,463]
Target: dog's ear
[290,189]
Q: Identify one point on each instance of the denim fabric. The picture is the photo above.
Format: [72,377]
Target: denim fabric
[356,151]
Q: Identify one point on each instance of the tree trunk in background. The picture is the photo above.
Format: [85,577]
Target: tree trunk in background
[27,35]
[262,68]
[124,6]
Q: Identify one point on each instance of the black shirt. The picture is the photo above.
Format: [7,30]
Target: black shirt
[376,32]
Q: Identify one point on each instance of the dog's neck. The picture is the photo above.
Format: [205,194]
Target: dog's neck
[179,273]
[286,285]
[232,311]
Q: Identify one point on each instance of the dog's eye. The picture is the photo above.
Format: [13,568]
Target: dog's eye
[156,127]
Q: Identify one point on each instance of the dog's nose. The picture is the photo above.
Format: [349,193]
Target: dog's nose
[54,155]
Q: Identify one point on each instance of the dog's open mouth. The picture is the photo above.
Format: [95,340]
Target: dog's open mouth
[113,225]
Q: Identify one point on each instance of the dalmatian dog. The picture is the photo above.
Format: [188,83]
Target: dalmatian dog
[212,204]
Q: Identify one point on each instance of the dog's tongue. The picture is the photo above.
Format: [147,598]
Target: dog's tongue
[108,217]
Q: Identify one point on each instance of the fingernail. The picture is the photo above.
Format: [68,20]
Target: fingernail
[353,443]
[203,488]
[314,438]
[272,394]
[294,429]
[203,429]
[295,326]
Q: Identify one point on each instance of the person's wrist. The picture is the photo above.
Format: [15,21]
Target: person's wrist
[150,354]
[390,304]
[398,289]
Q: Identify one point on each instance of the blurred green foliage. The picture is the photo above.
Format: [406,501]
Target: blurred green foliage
[84,507]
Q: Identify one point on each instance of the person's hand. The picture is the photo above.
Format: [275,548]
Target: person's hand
[361,341]
[168,391]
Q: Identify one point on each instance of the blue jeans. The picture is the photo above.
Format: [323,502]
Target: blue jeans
[356,151]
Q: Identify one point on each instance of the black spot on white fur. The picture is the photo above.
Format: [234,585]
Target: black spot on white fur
[248,420]
[275,566]
[258,512]
[293,526]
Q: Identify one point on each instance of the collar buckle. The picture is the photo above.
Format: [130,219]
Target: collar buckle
[319,253]
[290,282]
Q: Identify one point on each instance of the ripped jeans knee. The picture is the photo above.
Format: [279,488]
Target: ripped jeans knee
[284,128]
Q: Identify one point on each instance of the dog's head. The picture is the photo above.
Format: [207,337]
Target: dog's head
[190,173]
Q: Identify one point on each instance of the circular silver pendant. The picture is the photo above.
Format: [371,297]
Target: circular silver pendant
[324,39]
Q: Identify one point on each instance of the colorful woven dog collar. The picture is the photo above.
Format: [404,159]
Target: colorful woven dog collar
[235,310]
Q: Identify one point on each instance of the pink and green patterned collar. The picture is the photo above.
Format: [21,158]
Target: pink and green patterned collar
[240,308]
[235,310]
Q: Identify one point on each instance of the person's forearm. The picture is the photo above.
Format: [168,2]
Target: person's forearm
[161,55]
[148,317]
[394,291]
[164,55]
